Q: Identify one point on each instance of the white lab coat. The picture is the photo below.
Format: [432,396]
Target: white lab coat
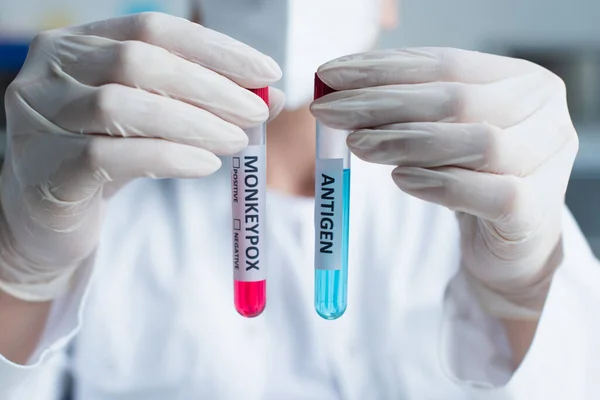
[159,323]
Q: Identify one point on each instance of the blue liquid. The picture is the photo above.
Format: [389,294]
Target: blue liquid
[139,6]
[331,286]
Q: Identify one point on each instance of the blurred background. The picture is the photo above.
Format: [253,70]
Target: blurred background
[563,36]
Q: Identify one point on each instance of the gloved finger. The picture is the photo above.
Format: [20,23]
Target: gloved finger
[476,146]
[276,103]
[369,107]
[429,145]
[420,65]
[242,64]
[116,110]
[126,159]
[546,186]
[108,159]
[526,146]
[96,61]
[489,196]
[529,198]
[502,104]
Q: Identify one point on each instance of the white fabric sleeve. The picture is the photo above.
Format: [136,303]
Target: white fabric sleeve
[563,361]
[43,377]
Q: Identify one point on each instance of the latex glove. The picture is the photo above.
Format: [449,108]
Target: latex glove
[98,105]
[487,136]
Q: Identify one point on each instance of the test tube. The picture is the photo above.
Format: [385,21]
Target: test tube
[248,190]
[332,216]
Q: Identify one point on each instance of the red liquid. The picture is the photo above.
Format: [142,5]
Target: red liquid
[250,297]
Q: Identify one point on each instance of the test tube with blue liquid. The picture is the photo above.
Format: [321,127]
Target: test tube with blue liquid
[332,216]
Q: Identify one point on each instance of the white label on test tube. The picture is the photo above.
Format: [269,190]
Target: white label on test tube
[328,213]
[248,190]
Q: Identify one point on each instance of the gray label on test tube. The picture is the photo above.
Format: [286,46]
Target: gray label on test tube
[328,213]
[248,190]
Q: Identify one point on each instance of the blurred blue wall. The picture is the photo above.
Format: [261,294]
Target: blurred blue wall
[474,24]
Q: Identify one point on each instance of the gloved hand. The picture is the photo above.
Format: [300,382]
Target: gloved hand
[487,136]
[98,105]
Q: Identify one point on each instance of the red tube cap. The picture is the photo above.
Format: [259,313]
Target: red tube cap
[263,93]
[321,89]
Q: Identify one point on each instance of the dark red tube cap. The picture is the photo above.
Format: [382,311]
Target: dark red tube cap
[263,93]
[321,89]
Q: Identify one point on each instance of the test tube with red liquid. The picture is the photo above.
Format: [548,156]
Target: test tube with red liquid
[248,189]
